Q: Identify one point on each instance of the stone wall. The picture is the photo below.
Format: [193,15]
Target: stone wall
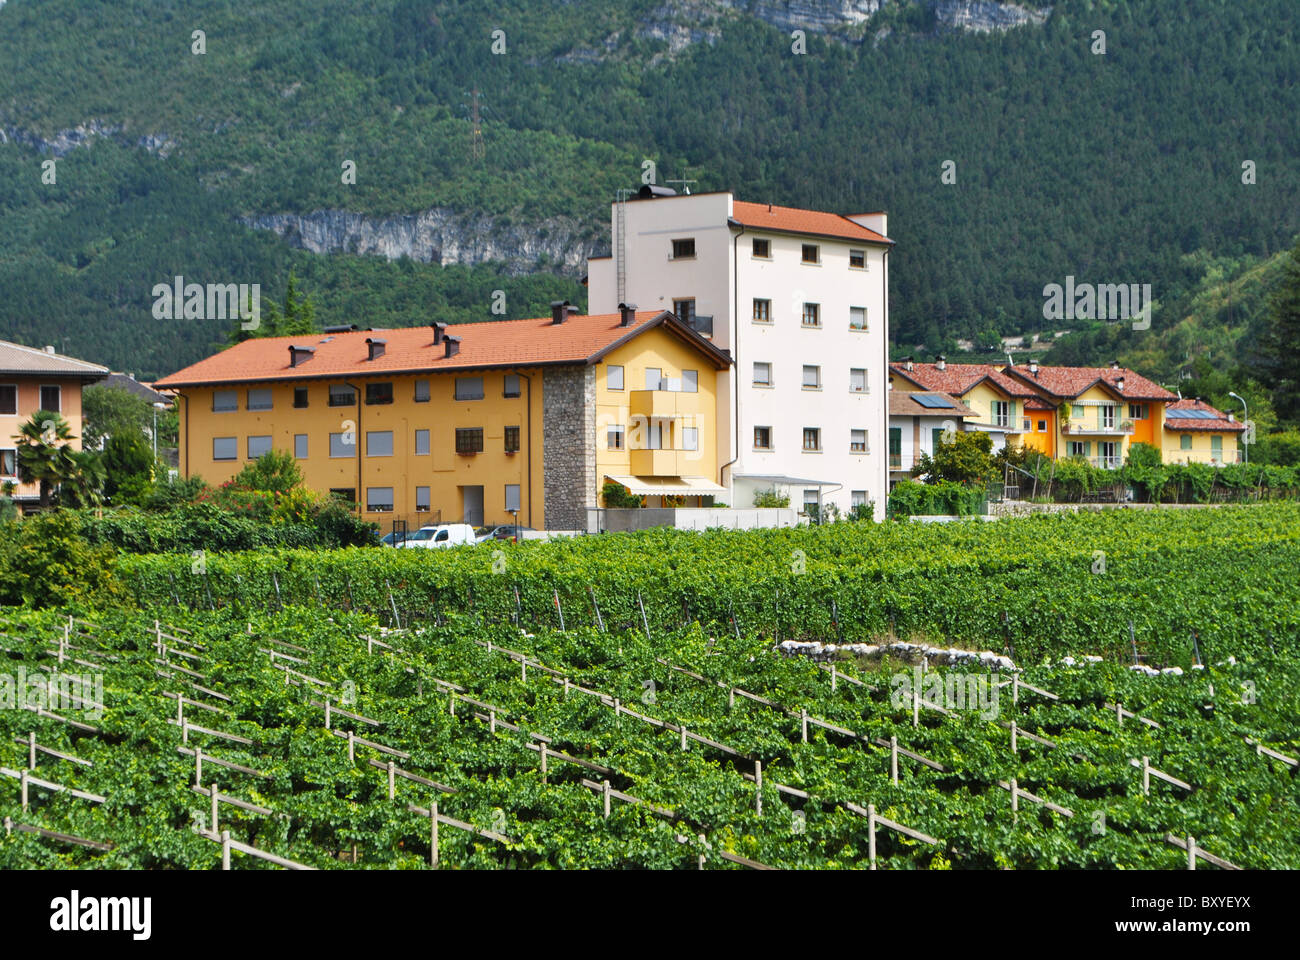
[568,445]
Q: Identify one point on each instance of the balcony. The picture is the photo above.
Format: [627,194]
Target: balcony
[664,403]
[660,463]
[1107,463]
[703,325]
[1114,429]
[899,462]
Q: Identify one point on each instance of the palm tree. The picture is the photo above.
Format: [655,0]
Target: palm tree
[45,453]
[85,487]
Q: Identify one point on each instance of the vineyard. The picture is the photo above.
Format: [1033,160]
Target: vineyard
[724,701]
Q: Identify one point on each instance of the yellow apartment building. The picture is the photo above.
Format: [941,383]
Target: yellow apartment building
[485,423]
[1195,432]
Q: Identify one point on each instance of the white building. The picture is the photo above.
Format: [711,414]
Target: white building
[801,300]
[917,423]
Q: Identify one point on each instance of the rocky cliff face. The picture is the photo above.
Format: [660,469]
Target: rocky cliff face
[442,236]
[982,16]
[65,141]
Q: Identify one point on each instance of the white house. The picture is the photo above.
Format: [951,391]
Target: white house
[917,422]
[800,298]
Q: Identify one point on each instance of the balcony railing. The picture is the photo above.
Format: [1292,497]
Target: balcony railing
[1107,463]
[899,462]
[1118,428]
[701,324]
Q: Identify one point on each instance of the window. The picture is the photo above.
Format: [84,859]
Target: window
[225,448]
[1137,411]
[762,438]
[52,399]
[300,446]
[812,315]
[421,499]
[936,439]
[469,388]
[343,445]
[379,443]
[511,386]
[1077,411]
[379,499]
[810,501]
[223,401]
[858,498]
[1042,426]
[684,250]
[614,438]
[895,446]
[812,439]
[421,443]
[653,378]
[690,438]
[1216,447]
[613,377]
[9,462]
[512,498]
[685,310]
[379,393]
[421,391]
[812,377]
[762,311]
[346,494]
[258,447]
[259,399]
[857,380]
[811,254]
[857,441]
[469,440]
[763,249]
[299,398]
[1106,416]
[512,439]
[8,398]
[1001,413]
[858,259]
[857,318]
[1185,441]
[690,381]
[762,374]
[341,396]
[1080,448]
[1026,425]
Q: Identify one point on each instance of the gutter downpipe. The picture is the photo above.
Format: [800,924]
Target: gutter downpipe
[529,463]
[885,506]
[360,490]
[735,352]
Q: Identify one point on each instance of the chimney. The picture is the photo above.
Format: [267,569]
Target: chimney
[907,364]
[627,314]
[439,329]
[1114,364]
[1232,418]
[941,362]
[559,311]
[452,345]
[376,347]
[1119,384]
[299,355]
[1033,366]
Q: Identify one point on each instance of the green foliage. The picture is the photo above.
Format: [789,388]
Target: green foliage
[962,459]
[107,411]
[941,498]
[45,561]
[129,468]
[275,472]
[1280,357]
[1281,448]
[615,496]
[770,498]
[45,454]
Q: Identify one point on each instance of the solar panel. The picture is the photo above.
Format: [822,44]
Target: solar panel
[932,401]
[1192,415]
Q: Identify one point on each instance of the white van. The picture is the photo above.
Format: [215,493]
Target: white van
[440,536]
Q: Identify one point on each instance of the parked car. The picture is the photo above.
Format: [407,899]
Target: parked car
[439,536]
[507,531]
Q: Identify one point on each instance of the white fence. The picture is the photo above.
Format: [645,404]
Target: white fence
[603,519]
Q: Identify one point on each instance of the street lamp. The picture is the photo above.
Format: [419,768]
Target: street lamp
[515,514]
[1245,418]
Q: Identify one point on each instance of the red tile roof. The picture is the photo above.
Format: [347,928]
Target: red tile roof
[903,404]
[1219,424]
[501,343]
[763,216]
[1069,382]
[1038,403]
[959,378]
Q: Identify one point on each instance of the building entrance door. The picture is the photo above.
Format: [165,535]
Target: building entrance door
[472,505]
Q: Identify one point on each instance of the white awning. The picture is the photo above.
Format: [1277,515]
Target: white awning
[670,486]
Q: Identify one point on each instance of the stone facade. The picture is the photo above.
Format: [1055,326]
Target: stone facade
[569,445]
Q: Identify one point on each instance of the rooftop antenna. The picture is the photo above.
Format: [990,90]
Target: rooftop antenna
[685,185]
